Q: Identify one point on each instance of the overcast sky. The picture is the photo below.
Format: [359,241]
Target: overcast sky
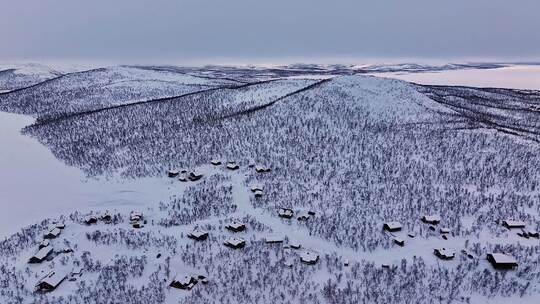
[220,31]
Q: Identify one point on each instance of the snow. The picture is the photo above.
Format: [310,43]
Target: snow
[512,76]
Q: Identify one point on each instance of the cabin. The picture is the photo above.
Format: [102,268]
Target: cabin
[309,257]
[273,239]
[444,254]
[256,188]
[232,166]
[60,225]
[285,213]
[444,230]
[135,216]
[52,234]
[303,217]
[392,226]
[533,234]
[198,235]
[261,169]
[411,235]
[44,243]
[215,162]
[294,244]
[41,255]
[186,282]
[195,176]
[310,212]
[183,178]
[173,173]
[399,242]
[106,217]
[50,281]
[502,261]
[235,242]
[236,226]
[511,224]
[258,193]
[89,220]
[431,219]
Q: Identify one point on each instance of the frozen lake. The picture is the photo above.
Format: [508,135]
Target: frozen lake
[35,185]
[515,77]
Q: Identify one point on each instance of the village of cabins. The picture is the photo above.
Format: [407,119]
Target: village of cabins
[394,230]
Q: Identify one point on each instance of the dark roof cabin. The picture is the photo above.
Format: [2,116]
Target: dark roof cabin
[399,242]
[510,224]
[431,219]
[285,213]
[89,220]
[184,282]
[235,242]
[44,243]
[262,169]
[50,281]
[232,166]
[444,254]
[309,257]
[53,233]
[198,235]
[392,226]
[502,261]
[41,255]
[236,226]
[195,176]
[173,173]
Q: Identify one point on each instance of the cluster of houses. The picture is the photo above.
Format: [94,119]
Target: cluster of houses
[523,232]
[185,176]
[187,282]
[497,260]
[288,213]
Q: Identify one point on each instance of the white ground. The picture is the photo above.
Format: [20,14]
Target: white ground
[514,77]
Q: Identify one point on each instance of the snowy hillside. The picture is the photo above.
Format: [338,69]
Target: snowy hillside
[273,187]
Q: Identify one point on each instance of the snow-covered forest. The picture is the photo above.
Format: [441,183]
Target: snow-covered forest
[343,152]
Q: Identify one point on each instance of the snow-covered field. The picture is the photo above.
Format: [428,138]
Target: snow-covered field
[346,153]
[512,76]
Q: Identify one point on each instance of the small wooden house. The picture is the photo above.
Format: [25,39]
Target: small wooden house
[236,226]
[135,216]
[431,219]
[41,255]
[173,173]
[444,230]
[195,176]
[215,162]
[392,226]
[52,234]
[44,243]
[50,281]
[511,224]
[444,254]
[304,216]
[295,244]
[273,239]
[285,213]
[256,188]
[232,166]
[235,242]
[399,242]
[198,235]
[258,193]
[261,169]
[502,261]
[186,282]
[309,257]
[89,220]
